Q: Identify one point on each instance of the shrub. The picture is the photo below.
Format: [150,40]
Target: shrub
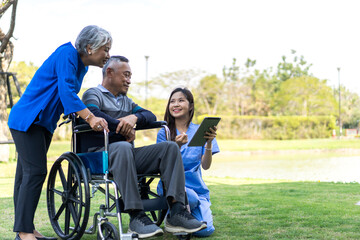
[274,127]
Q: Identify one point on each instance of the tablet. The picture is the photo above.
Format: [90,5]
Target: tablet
[198,138]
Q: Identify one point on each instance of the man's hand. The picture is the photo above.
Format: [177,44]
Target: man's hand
[130,137]
[126,125]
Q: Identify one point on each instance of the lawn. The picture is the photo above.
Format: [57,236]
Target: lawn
[242,208]
[254,209]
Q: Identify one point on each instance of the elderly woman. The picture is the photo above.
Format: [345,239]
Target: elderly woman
[32,121]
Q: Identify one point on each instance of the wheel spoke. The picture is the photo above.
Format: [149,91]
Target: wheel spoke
[153,214]
[63,178]
[77,201]
[68,199]
[74,187]
[74,214]
[58,192]
[59,212]
[70,178]
[67,220]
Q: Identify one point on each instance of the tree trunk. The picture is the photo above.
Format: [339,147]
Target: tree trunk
[6,54]
[4,130]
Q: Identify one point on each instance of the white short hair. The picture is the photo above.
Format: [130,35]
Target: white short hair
[94,36]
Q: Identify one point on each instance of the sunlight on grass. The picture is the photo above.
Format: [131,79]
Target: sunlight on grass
[238,181]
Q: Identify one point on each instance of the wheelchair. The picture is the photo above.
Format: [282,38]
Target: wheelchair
[75,177]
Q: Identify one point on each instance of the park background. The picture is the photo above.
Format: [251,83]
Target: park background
[281,74]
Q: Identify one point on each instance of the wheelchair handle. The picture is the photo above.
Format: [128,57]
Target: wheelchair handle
[68,118]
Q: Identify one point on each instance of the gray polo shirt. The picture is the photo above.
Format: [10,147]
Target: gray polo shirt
[114,106]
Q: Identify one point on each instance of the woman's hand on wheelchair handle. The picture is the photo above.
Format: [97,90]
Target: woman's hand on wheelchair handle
[98,124]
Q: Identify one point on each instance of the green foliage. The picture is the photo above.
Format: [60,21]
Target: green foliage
[275,127]
[296,68]
[243,90]
[350,111]
[24,73]
[171,80]
[247,91]
[208,95]
[304,96]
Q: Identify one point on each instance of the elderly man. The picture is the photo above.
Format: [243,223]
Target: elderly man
[110,102]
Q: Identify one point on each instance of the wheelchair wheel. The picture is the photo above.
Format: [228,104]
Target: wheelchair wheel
[109,232]
[68,197]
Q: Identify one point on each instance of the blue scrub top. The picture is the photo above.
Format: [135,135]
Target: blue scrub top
[51,92]
[192,161]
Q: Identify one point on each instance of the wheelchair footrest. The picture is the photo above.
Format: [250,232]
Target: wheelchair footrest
[155,204]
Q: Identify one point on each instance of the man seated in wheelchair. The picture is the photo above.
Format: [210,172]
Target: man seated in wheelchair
[109,101]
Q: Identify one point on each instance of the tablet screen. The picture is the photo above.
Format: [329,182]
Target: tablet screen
[198,138]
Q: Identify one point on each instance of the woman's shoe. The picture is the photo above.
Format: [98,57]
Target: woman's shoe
[17,237]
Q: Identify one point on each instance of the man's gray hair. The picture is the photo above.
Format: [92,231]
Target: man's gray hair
[112,59]
[94,36]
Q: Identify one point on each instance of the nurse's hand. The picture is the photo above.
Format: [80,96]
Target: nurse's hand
[181,139]
[210,135]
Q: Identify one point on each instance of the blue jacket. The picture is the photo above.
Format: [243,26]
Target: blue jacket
[51,92]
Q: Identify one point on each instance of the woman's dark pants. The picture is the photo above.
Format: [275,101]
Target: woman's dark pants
[31,170]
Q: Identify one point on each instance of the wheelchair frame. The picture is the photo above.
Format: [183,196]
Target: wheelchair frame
[69,205]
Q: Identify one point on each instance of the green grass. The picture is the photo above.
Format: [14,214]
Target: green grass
[253,209]
[242,208]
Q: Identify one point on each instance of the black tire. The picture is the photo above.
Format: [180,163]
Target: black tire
[68,197]
[109,231]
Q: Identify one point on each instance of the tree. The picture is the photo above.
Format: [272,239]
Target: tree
[208,95]
[350,112]
[304,96]
[6,53]
[296,68]
[162,85]
[262,90]
[24,73]
[236,93]
[184,78]
[248,91]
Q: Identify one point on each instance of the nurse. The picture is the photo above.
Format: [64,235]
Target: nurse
[178,115]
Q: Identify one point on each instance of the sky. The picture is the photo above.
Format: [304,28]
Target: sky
[199,34]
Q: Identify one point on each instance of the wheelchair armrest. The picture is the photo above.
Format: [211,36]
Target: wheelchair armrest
[82,128]
[157,124]
[151,125]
